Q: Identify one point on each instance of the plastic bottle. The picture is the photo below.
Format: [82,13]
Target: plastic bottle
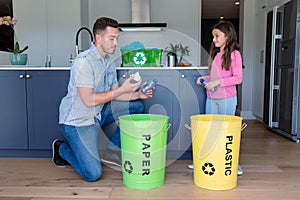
[136,77]
[203,82]
[149,86]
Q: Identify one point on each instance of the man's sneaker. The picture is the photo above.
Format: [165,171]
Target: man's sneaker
[240,170]
[191,166]
[56,158]
[112,157]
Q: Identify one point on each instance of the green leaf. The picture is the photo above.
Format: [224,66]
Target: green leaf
[17,47]
[25,48]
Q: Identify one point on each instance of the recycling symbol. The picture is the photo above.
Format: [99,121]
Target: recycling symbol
[208,169]
[139,58]
[128,167]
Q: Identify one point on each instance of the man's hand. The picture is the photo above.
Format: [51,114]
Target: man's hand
[148,93]
[129,86]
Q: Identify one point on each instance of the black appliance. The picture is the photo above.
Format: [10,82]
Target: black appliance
[282,70]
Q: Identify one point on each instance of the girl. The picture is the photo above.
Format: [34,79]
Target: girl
[224,72]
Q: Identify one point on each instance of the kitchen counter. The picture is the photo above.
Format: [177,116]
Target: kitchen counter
[29,67]
[161,68]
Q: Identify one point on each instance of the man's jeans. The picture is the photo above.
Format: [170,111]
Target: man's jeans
[81,149]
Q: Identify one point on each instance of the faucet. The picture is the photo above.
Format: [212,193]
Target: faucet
[77,51]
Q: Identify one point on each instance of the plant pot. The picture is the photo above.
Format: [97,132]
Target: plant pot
[18,58]
[171,61]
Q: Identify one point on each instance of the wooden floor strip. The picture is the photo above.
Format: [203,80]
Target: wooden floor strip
[56,192]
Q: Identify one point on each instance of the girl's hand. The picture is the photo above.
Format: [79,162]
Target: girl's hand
[212,84]
[203,77]
[198,81]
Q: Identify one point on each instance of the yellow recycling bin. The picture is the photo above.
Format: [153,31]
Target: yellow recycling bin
[216,146]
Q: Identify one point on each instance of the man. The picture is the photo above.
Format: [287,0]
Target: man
[89,105]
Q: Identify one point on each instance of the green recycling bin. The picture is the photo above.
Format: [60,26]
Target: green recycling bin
[141,57]
[143,144]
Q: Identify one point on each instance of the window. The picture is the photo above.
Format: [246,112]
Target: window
[6,32]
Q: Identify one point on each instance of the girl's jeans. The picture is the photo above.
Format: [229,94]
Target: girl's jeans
[81,149]
[226,106]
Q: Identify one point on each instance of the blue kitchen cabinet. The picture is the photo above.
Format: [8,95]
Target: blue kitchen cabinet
[29,110]
[165,98]
[45,90]
[164,95]
[177,96]
[193,98]
[13,110]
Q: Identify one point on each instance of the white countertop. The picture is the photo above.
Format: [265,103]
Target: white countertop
[29,67]
[160,68]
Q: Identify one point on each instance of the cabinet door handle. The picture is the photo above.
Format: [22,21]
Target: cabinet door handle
[28,76]
[21,76]
[124,76]
[182,75]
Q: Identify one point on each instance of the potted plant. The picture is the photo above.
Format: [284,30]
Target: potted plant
[177,50]
[17,57]
[183,51]
[172,54]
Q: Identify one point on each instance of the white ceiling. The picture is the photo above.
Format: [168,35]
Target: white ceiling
[213,9]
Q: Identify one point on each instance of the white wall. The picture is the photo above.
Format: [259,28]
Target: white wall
[4,58]
[259,66]
[31,28]
[182,28]
[63,20]
[48,27]
[248,48]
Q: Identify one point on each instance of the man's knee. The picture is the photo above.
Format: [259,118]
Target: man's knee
[92,174]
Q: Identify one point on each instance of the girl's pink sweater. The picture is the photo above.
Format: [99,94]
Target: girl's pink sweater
[228,79]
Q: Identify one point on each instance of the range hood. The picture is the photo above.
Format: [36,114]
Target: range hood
[140,18]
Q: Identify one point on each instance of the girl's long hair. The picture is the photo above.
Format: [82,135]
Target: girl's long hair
[231,44]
